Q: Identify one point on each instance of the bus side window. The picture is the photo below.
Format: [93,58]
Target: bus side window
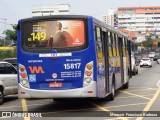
[110,45]
[114,45]
[99,42]
[124,47]
[116,38]
[126,42]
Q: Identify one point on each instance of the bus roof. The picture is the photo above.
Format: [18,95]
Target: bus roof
[108,27]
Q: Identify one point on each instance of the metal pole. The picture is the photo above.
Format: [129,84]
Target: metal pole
[5,19]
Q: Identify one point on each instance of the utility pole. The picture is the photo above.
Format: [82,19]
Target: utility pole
[5,19]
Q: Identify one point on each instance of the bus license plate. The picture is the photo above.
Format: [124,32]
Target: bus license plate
[55,84]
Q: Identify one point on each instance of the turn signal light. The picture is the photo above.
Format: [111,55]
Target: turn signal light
[22,69]
[89,67]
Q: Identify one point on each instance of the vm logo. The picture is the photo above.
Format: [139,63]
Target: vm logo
[36,69]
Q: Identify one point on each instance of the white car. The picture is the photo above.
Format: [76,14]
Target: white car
[8,80]
[146,62]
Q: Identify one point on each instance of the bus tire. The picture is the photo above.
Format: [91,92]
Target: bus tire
[126,85]
[1,96]
[112,95]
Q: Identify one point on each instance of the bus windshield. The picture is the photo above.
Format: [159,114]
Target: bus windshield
[54,34]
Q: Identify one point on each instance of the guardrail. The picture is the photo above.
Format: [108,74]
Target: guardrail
[5,48]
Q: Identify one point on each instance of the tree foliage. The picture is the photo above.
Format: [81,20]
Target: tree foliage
[11,34]
[147,43]
[8,54]
[157,40]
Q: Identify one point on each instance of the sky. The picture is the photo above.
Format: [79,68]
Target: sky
[13,10]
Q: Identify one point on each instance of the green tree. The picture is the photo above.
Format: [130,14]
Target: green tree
[11,34]
[157,40]
[147,43]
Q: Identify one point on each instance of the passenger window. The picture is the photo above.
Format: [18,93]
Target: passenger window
[124,47]
[117,45]
[99,43]
[3,69]
[110,45]
[114,45]
[10,69]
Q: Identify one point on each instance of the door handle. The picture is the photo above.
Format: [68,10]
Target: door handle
[3,79]
[13,78]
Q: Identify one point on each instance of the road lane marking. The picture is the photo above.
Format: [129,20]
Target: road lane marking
[153,88]
[25,109]
[141,89]
[131,96]
[149,104]
[135,95]
[126,105]
[106,110]
[97,106]
[100,107]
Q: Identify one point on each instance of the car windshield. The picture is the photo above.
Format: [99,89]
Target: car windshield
[152,52]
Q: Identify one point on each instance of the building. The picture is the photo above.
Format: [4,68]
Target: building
[1,38]
[110,18]
[140,20]
[60,9]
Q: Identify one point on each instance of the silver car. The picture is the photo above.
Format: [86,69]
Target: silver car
[8,80]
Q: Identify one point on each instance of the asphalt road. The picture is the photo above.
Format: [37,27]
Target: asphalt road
[143,95]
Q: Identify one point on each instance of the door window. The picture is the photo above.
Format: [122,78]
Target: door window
[3,69]
[10,69]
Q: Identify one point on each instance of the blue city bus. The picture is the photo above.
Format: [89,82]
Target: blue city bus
[71,56]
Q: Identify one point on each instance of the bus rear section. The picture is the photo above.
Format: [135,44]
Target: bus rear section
[56,58]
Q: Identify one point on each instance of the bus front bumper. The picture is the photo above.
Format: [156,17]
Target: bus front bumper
[88,91]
